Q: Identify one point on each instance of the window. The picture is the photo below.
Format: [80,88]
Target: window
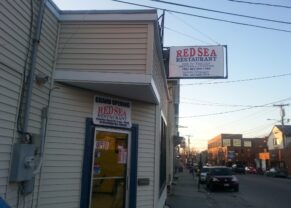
[163,158]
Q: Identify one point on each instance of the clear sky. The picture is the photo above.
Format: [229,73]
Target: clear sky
[252,53]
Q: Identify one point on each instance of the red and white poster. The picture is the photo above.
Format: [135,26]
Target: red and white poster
[111,112]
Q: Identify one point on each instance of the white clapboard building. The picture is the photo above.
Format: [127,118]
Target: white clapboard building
[87,115]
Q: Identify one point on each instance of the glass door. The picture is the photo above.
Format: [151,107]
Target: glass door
[110,164]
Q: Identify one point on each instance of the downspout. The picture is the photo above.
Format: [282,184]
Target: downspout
[31,75]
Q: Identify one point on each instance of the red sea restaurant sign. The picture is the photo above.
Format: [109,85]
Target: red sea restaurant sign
[198,62]
[111,112]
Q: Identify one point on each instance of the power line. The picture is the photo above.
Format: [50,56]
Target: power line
[222,12]
[253,130]
[207,36]
[189,36]
[239,80]
[252,116]
[226,105]
[261,4]
[209,18]
[215,114]
[232,111]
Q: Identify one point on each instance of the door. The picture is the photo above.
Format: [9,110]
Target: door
[110,169]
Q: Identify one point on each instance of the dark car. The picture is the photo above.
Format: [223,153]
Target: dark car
[239,168]
[221,177]
[277,172]
[203,174]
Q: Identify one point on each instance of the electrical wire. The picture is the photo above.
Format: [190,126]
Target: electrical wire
[253,130]
[215,114]
[225,105]
[20,116]
[239,80]
[222,12]
[232,111]
[251,116]
[185,35]
[261,4]
[209,18]
[189,25]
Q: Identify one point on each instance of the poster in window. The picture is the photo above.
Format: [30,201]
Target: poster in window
[236,142]
[226,143]
[247,144]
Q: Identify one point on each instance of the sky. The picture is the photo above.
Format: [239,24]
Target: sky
[262,56]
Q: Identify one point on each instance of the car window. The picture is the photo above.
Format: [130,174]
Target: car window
[205,170]
[220,171]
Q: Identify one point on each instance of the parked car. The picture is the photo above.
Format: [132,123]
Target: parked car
[277,172]
[239,168]
[203,174]
[221,177]
[250,170]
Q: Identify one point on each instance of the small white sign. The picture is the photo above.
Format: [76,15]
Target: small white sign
[197,62]
[247,144]
[111,112]
[226,143]
[236,142]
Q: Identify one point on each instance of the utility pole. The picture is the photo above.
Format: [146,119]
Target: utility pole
[282,113]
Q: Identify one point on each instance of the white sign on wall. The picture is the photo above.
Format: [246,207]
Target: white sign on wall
[236,142]
[226,143]
[247,144]
[198,62]
[111,112]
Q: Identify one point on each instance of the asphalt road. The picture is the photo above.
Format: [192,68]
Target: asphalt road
[256,191]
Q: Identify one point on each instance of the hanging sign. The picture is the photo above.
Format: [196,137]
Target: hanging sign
[111,112]
[204,62]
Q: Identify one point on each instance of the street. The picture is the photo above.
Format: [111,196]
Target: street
[256,191]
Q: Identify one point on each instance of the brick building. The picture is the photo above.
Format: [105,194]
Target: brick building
[227,149]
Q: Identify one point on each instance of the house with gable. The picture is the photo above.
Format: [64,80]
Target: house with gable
[279,145]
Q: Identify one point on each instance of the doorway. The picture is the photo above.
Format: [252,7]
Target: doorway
[109,187]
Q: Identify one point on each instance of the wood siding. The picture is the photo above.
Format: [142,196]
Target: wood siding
[15,18]
[144,116]
[62,170]
[102,47]
[10,85]
[160,79]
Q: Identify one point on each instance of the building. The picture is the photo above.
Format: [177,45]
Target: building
[258,154]
[279,141]
[224,148]
[227,149]
[85,107]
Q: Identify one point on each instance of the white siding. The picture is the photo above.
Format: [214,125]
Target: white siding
[15,30]
[62,171]
[14,20]
[144,115]
[160,78]
[10,82]
[102,47]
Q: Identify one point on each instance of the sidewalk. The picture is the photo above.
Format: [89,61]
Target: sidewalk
[185,193]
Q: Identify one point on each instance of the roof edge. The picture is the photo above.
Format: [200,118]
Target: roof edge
[102,15]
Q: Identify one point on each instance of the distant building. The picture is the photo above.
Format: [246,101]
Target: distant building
[227,149]
[279,143]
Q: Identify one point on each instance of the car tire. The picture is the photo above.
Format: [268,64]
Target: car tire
[211,187]
[236,189]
